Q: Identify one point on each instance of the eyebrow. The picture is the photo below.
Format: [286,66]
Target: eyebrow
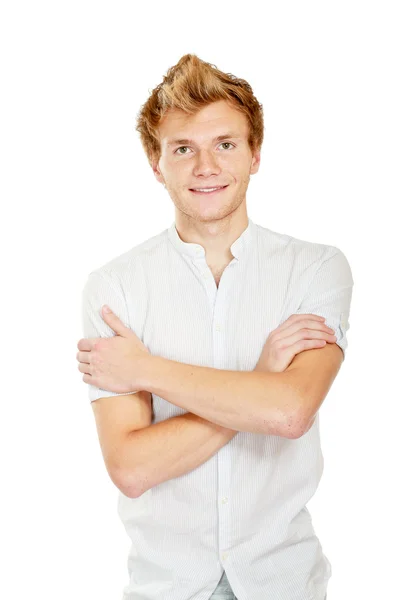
[216,139]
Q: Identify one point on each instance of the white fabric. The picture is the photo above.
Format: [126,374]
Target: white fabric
[244,510]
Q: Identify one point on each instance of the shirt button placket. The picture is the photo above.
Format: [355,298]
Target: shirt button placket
[224,477]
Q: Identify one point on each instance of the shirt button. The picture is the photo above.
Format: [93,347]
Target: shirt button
[224,556]
[224,500]
[218,328]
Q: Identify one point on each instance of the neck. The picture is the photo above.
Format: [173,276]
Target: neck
[216,237]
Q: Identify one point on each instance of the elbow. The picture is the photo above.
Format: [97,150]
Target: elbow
[296,424]
[129,491]
[127,485]
[288,416]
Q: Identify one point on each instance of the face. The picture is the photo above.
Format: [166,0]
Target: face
[206,150]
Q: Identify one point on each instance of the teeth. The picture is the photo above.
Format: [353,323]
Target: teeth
[208,189]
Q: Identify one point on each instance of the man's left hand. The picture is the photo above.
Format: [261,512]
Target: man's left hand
[115,363]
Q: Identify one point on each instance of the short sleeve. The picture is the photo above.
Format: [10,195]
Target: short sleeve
[100,289]
[329,295]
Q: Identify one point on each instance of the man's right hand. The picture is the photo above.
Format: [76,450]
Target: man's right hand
[296,334]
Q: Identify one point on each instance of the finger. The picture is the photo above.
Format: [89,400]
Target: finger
[85,368]
[307,334]
[85,344]
[301,324]
[291,351]
[115,322]
[295,318]
[302,345]
[306,344]
[83,357]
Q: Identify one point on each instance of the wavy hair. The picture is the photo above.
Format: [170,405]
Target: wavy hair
[190,85]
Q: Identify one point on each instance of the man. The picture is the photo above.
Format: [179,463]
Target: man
[207,376]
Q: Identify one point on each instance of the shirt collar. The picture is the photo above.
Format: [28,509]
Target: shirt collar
[196,250]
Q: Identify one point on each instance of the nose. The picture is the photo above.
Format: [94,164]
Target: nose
[206,164]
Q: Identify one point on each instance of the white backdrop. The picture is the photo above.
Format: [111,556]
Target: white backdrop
[76,191]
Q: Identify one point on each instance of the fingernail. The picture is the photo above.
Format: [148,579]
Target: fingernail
[107,309]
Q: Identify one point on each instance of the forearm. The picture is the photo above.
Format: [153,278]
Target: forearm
[169,449]
[252,401]
[172,448]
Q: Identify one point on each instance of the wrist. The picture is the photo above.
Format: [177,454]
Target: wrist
[143,378]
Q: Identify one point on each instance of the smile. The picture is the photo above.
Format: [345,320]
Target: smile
[209,190]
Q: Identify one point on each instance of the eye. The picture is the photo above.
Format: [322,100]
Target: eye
[186,147]
[180,148]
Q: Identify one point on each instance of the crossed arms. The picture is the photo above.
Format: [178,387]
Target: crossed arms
[254,401]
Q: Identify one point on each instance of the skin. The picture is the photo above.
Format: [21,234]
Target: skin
[122,363]
[286,401]
[216,221]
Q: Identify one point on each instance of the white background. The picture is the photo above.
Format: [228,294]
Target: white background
[76,191]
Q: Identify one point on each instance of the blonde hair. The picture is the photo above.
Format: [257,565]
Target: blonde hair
[190,85]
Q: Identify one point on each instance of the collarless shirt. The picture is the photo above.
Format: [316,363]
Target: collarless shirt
[244,510]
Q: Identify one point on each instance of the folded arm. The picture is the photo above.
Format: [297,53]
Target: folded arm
[281,404]
[253,401]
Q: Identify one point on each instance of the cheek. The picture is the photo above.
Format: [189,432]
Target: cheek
[236,165]
[177,174]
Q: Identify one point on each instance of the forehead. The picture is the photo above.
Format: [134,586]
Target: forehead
[211,120]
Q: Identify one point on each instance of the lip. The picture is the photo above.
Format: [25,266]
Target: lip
[208,193]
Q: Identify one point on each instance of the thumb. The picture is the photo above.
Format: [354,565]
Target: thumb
[114,322]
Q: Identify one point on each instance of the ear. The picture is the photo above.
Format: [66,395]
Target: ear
[255,161]
[156,170]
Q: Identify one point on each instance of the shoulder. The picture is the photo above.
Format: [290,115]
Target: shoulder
[294,248]
[130,263]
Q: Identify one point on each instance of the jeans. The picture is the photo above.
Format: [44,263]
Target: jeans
[223,591]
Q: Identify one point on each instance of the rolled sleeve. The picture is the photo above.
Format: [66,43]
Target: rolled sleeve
[329,295]
[98,290]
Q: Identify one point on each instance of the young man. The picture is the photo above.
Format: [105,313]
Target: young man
[233,334]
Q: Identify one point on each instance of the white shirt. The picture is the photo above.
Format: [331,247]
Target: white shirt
[244,510]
